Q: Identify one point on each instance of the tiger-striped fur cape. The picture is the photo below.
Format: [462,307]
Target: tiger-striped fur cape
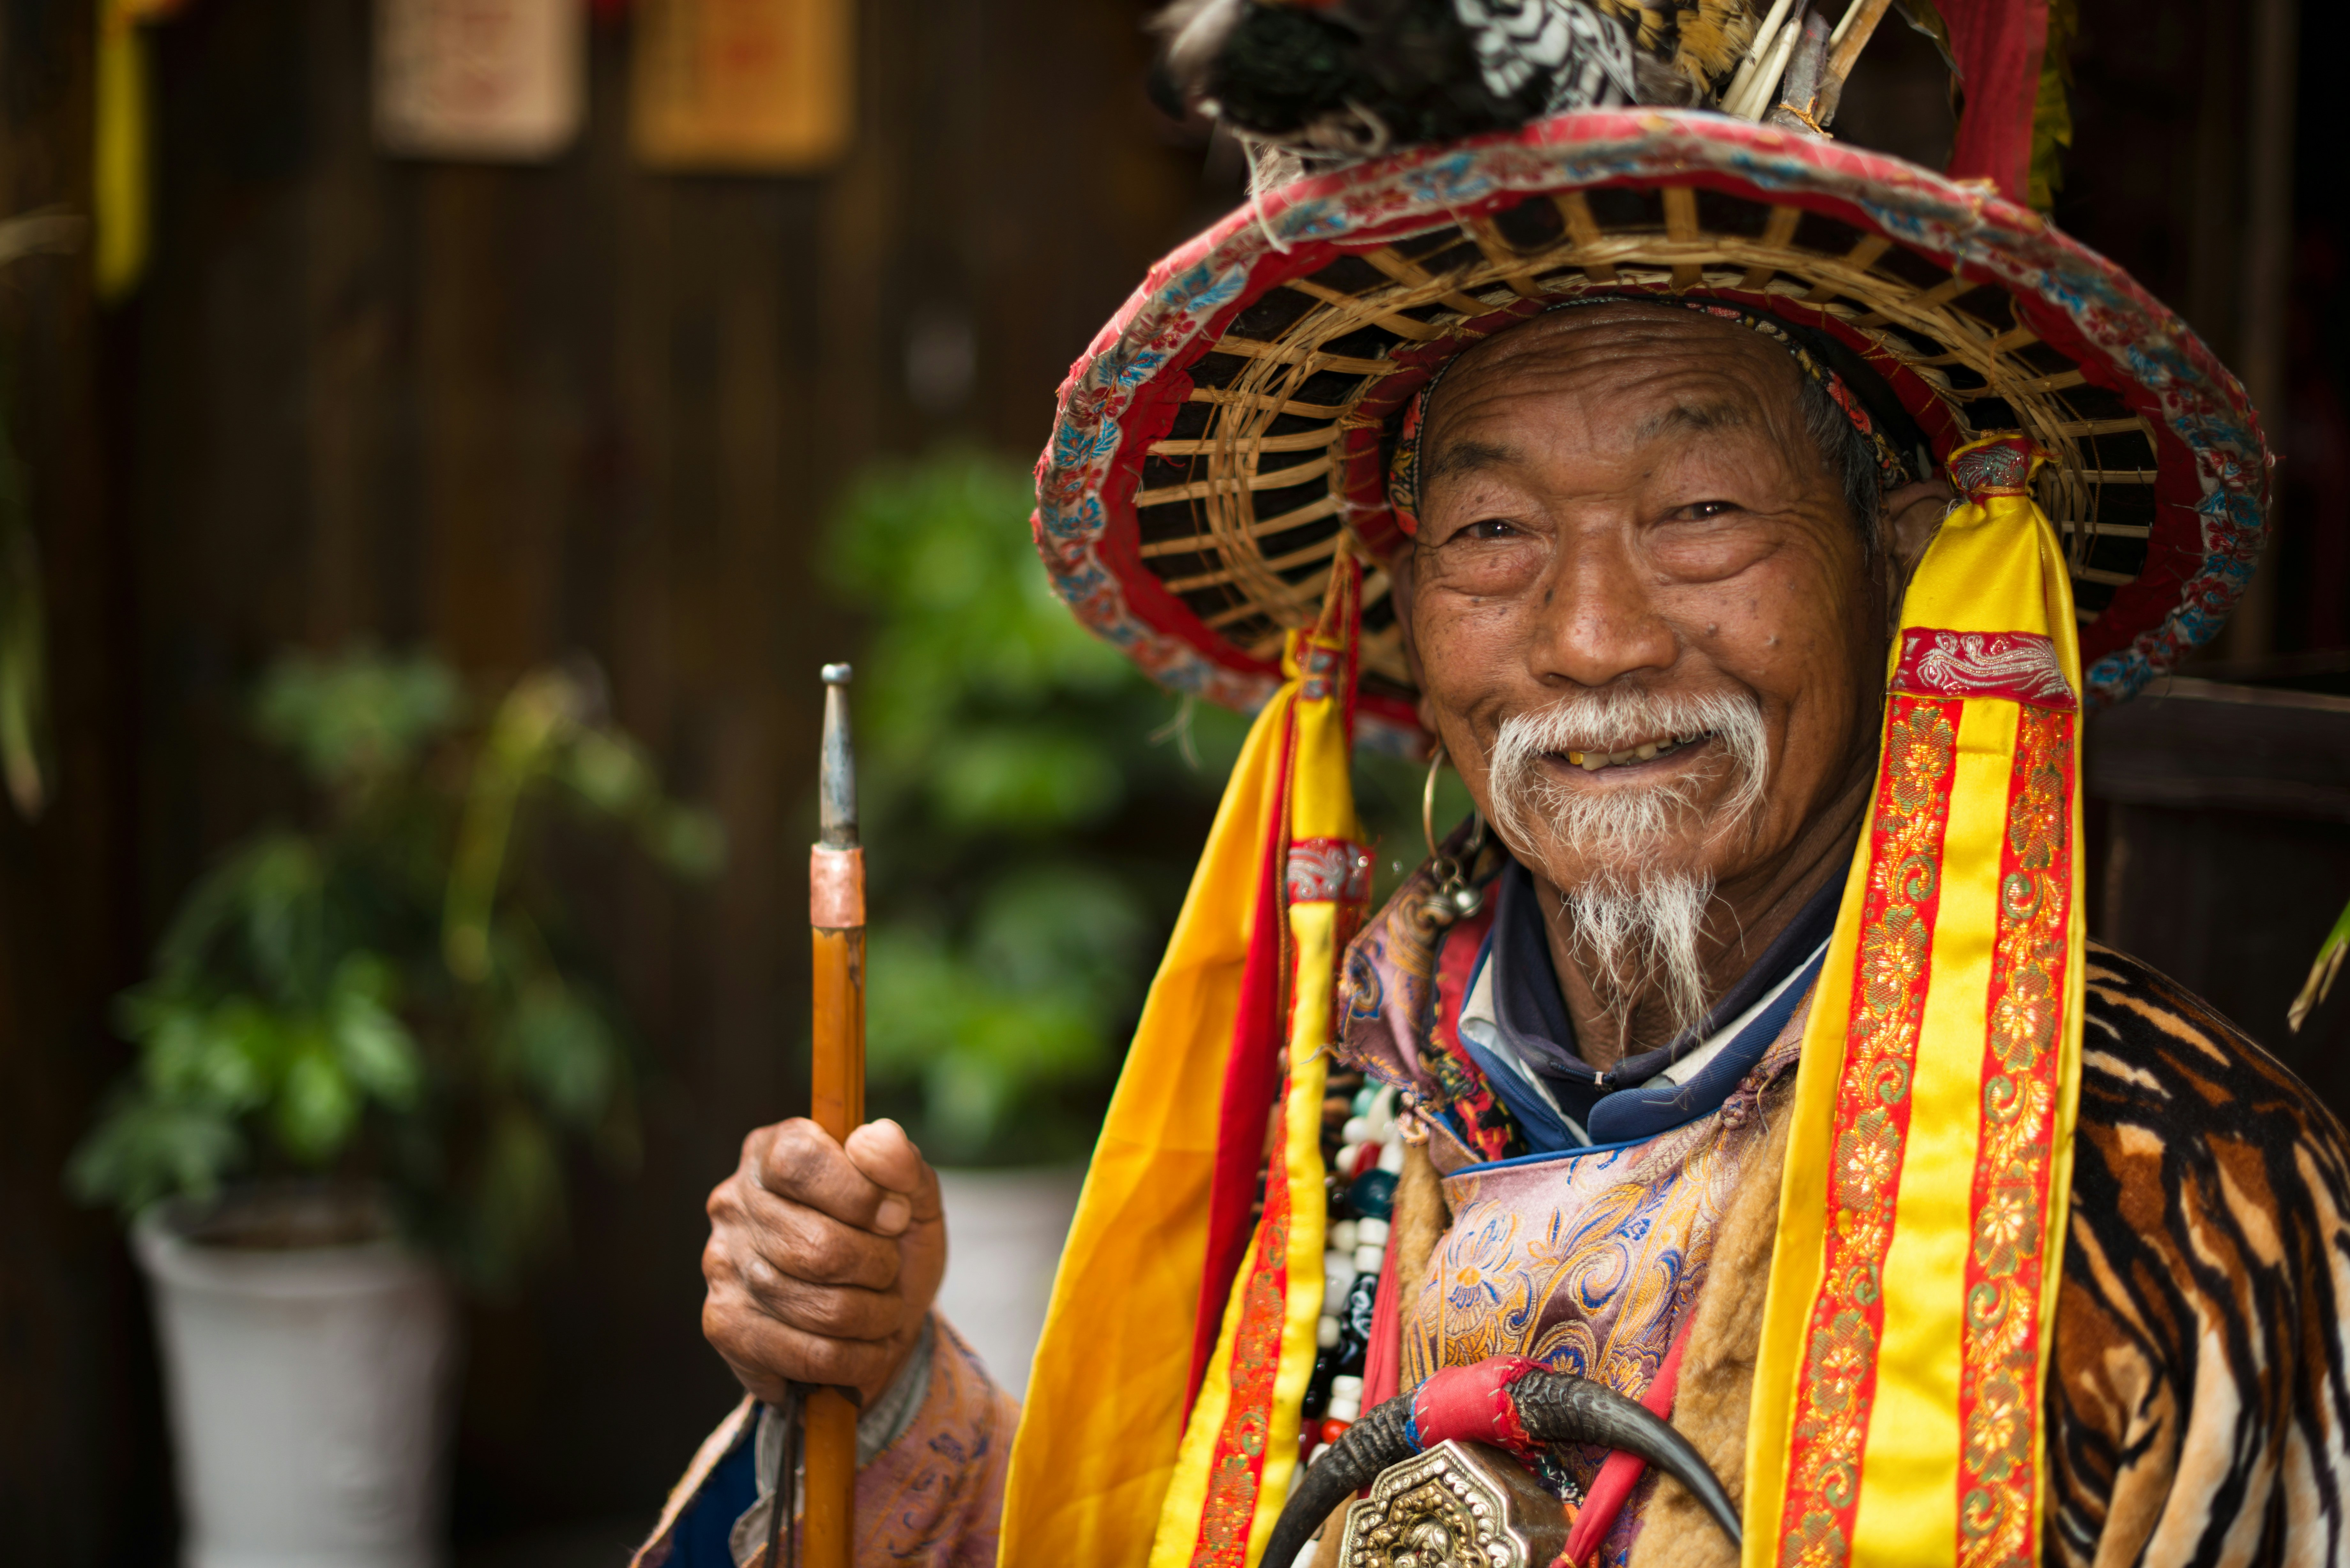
[2201,1410]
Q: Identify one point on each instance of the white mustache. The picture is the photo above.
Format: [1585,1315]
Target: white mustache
[1529,802]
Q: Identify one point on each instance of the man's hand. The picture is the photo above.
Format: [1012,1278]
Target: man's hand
[823,1258]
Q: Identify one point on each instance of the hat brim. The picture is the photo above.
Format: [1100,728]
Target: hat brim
[1226,428]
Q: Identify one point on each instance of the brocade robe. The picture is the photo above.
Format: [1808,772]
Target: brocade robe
[2199,1411]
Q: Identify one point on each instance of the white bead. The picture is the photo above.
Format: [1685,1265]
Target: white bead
[1368,1257]
[1345,1162]
[1358,1129]
[1346,1386]
[1337,1276]
[1325,1334]
[1382,1117]
[1345,1409]
[1370,1232]
[1391,1158]
[1346,1235]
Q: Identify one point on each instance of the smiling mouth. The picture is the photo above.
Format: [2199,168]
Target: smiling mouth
[1646,752]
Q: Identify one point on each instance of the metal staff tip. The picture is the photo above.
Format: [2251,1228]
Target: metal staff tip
[837,795]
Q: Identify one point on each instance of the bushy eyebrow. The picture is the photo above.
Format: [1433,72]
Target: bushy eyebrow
[1718,416]
[1467,457]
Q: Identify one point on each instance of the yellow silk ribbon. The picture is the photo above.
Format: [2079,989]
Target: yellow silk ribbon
[1105,1469]
[1897,1396]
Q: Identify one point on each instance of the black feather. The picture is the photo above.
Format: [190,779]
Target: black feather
[1361,76]
[1282,69]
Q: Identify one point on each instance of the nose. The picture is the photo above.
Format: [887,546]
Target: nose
[1598,620]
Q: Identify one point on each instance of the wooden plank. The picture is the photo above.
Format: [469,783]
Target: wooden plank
[2198,745]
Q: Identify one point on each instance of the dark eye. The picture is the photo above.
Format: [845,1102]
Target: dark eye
[1700,511]
[1490,528]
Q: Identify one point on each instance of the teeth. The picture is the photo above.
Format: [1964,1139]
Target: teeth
[1650,751]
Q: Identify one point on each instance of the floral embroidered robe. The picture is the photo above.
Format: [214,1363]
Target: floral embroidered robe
[2200,1413]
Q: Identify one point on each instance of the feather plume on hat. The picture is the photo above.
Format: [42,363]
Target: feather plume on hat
[1311,84]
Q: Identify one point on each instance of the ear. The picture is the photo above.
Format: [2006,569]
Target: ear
[1912,515]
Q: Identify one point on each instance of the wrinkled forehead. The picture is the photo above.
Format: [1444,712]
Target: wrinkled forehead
[1677,370]
[1762,361]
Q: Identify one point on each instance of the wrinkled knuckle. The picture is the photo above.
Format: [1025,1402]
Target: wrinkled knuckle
[797,1150]
[796,1138]
[833,1257]
[762,1278]
[837,1312]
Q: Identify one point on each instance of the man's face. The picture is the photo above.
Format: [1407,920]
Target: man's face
[1624,521]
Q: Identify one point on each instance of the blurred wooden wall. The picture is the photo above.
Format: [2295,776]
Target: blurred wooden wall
[81,1456]
[514,414]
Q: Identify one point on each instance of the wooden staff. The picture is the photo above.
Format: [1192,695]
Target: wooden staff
[836,1091]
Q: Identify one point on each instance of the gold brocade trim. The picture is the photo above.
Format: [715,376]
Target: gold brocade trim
[1837,1383]
[2000,1355]
[1237,1467]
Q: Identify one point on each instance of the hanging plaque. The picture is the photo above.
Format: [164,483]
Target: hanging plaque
[491,80]
[754,86]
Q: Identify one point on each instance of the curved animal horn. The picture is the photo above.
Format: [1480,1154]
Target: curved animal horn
[1554,1408]
[1558,1408]
[1354,1461]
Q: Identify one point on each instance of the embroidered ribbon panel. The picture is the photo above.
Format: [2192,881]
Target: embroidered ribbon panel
[1897,1414]
[2001,1355]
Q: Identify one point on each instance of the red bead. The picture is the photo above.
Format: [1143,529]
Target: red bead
[1333,1428]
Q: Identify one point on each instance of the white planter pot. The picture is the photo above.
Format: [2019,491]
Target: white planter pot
[1004,1233]
[306,1385]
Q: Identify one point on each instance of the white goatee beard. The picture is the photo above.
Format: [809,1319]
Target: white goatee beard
[1638,922]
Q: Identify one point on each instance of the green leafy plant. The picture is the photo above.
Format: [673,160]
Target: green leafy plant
[1032,808]
[388,996]
[2327,964]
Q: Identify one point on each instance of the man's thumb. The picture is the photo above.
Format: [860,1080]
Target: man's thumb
[887,1157]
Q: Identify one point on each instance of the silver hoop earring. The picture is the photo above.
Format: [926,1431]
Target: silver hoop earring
[1453,898]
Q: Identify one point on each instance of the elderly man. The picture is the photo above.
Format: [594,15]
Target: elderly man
[1745,1055]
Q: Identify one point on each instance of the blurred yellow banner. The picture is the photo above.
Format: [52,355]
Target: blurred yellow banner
[119,149]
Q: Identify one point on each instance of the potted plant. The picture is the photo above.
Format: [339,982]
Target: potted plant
[366,1042]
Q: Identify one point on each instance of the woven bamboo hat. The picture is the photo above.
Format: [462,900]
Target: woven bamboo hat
[1235,420]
